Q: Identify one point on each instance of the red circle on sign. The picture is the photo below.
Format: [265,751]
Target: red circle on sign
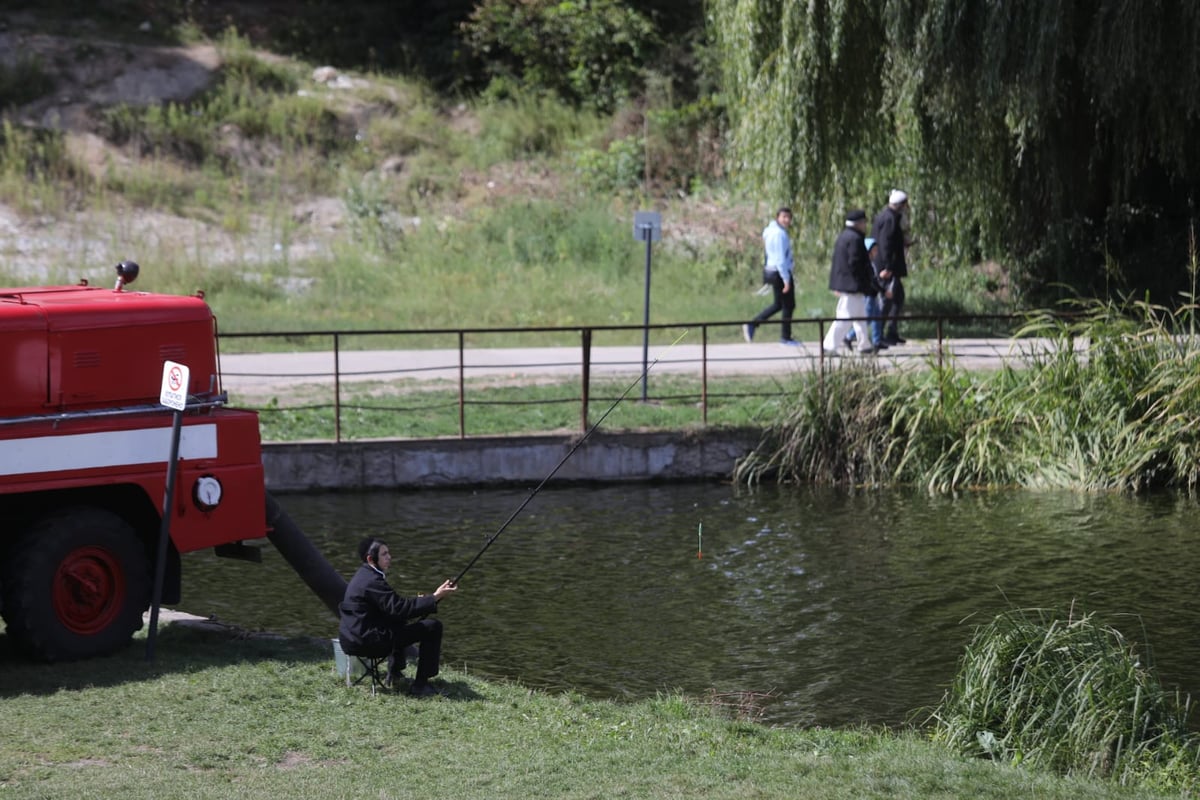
[175,378]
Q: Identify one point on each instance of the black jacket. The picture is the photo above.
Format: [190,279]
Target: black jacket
[850,271]
[889,235]
[371,610]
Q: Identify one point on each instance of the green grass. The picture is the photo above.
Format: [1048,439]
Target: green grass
[227,716]
[1118,415]
[1067,693]
[421,409]
[483,219]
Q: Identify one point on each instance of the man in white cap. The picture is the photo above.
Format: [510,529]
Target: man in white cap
[888,233]
[851,280]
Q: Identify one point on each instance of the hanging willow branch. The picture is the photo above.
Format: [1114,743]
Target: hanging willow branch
[1058,132]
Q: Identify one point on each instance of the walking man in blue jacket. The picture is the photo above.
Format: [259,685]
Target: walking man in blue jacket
[777,273]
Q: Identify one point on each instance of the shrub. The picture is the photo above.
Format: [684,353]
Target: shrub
[1070,695]
[23,82]
[587,53]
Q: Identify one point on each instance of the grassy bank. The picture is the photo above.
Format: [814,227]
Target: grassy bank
[1110,405]
[219,716]
[370,202]
[422,409]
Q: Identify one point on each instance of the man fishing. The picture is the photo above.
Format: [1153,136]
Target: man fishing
[374,616]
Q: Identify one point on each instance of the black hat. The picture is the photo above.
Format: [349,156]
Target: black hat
[855,214]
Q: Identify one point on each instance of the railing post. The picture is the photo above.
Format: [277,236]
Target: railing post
[704,375]
[586,370]
[337,388]
[462,389]
[939,346]
[821,355]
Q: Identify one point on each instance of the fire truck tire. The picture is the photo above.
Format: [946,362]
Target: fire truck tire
[75,586]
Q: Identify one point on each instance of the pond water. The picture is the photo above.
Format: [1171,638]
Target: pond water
[846,607]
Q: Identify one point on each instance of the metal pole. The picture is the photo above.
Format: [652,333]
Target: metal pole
[704,374]
[337,389]
[647,233]
[587,376]
[939,345]
[164,536]
[462,388]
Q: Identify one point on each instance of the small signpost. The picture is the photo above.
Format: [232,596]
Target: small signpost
[173,395]
[647,227]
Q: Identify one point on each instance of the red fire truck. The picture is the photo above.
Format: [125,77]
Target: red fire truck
[84,446]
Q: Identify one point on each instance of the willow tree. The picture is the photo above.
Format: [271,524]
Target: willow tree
[1059,136]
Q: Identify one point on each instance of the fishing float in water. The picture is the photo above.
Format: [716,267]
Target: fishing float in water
[700,541]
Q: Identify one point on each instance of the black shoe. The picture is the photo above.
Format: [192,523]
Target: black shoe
[848,343]
[881,345]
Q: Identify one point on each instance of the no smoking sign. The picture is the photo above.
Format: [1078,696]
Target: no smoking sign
[174,386]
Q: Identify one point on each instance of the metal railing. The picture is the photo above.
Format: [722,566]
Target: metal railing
[460,356]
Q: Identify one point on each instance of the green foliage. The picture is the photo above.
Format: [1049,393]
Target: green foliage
[685,145]
[525,124]
[1054,136]
[252,99]
[834,431]
[35,170]
[618,167]
[1109,402]
[802,82]
[23,81]
[589,53]
[1069,695]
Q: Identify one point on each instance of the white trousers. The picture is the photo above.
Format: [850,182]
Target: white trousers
[848,305]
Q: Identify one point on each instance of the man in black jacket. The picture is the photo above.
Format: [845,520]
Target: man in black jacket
[888,231]
[374,616]
[851,280]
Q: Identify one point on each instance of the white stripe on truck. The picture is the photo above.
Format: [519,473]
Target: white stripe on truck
[106,449]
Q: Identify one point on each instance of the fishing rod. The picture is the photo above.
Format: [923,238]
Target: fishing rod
[562,461]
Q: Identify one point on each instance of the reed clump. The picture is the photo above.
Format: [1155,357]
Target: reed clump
[1110,401]
[1070,694]
[833,430]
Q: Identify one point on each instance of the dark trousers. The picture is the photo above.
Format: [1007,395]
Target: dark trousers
[427,635]
[785,302]
[891,309]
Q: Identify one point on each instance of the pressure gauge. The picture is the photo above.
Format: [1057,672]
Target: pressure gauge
[207,492]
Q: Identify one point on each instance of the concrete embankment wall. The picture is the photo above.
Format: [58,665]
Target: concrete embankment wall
[504,460]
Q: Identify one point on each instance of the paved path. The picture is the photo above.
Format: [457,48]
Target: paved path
[255,374]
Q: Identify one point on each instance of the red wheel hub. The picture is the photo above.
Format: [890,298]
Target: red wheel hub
[89,590]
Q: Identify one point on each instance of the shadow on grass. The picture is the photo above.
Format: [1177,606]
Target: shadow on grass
[179,648]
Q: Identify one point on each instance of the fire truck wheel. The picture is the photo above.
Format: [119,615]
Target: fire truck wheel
[75,585]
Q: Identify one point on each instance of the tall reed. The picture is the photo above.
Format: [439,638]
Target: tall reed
[1069,694]
[1108,400]
[834,430]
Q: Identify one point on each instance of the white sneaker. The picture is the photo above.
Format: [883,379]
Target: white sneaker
[748,332]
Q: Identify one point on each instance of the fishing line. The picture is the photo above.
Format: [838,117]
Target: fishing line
[557,466]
